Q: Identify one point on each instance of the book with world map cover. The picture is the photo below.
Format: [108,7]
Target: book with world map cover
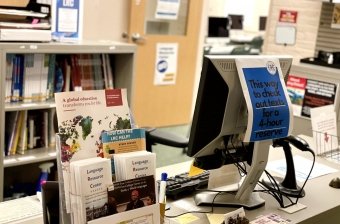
[82,117]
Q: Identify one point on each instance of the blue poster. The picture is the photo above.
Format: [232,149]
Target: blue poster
[269,111]
[67,20]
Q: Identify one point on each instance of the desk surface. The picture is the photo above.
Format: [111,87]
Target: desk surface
[322,201]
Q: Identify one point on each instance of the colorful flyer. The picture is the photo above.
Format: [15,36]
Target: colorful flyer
[122,141]
[317,94]
[269,108]
[166,64]
[296,91]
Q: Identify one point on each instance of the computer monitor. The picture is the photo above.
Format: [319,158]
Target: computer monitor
[236,22]
[262,23]
[218,27]
[219,123]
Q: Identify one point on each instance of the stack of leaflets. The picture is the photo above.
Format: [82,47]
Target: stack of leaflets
[134,164]
[90,179]
[95,142]
[82,117]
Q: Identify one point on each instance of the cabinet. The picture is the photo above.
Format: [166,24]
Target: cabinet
[13,168]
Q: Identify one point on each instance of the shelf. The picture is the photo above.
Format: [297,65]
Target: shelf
[69,48]
[29,106]
[32,156]
[121,55]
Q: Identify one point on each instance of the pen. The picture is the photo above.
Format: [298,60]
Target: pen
[162,188]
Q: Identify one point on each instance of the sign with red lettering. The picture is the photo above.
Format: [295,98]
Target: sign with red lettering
[288,16]
[308,93]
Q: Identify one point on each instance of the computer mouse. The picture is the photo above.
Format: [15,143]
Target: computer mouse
[335,182]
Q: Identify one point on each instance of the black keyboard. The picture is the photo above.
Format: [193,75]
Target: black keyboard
[181,184]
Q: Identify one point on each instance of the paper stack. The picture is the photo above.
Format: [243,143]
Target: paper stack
[25,21]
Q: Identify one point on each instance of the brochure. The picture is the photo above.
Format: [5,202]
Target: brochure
[82,117]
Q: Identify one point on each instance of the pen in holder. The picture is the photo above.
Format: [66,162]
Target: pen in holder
[162,197]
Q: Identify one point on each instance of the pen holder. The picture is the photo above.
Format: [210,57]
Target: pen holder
[162,211]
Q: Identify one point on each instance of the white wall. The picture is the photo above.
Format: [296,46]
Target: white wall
[105,19]
[306,28]
[251,9]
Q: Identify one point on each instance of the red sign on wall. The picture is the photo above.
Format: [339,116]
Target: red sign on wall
[287,16]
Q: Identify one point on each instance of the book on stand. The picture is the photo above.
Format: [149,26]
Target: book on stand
[82,117]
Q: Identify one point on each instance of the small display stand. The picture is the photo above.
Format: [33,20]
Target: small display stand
[150,213]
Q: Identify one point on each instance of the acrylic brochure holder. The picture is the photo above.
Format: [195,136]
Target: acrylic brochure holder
[148,214]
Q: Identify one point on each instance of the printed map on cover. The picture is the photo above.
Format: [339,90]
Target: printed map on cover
[82,117]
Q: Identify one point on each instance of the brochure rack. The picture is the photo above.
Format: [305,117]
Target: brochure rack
[150,213]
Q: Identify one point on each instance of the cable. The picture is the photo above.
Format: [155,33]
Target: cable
[313,163]
[204,212]
[277,194]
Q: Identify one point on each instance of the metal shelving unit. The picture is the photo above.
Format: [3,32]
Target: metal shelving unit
[122,57]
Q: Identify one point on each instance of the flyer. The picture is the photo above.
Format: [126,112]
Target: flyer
[67,20]
[269,108]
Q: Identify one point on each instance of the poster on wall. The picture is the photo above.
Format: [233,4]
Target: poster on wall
[67,20]
[296,91]
[308,93]
[285,32]
[166,64]
[167,9]
[288,16]
[336,17]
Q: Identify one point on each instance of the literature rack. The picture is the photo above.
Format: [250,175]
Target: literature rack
[150,213]
[107,172]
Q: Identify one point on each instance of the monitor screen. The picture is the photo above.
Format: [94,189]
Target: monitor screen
[220,112]
[218,27]
[236,22]
[262,23]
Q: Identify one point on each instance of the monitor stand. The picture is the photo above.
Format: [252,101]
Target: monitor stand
[244,196]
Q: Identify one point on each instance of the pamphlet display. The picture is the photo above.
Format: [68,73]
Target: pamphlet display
[88,120]
[82,117]
[269,109]
[89,193]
